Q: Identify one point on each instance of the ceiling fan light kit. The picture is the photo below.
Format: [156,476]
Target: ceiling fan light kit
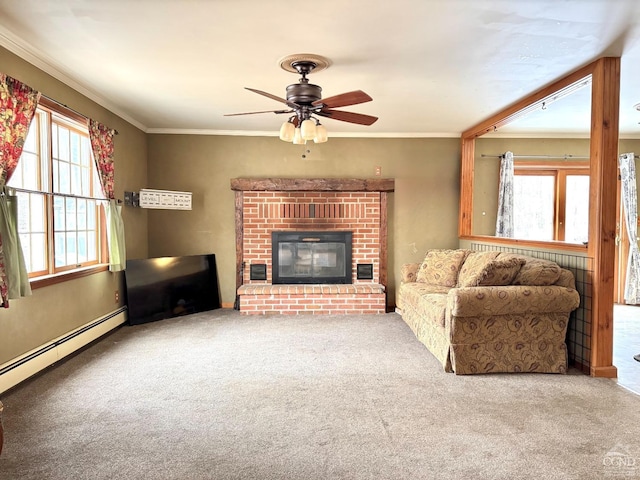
[305,102]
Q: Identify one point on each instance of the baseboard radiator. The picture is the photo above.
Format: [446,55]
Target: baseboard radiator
[27,365]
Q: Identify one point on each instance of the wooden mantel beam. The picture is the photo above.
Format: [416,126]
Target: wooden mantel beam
[313,184]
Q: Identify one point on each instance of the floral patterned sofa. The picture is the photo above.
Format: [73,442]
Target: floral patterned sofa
[486,312]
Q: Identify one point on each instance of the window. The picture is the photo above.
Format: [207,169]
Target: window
[60,212]
[551,201]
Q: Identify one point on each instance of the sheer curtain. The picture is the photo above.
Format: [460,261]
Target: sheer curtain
[630,203]
[18,104]
[102,144]
[504,221]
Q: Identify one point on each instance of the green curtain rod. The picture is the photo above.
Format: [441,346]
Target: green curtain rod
[72,110]
[564,157]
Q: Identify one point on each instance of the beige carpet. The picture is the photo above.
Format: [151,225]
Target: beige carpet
[221,396]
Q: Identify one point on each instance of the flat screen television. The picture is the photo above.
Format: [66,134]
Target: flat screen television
[165,287]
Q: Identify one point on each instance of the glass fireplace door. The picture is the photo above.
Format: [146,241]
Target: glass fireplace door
[303,258]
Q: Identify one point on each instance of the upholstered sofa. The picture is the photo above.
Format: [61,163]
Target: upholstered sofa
[487,312]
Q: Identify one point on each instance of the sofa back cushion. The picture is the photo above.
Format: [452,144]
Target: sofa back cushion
[539,272]
[489,269]
[441,267]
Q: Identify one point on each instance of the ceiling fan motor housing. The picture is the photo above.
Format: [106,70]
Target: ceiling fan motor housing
[303,93]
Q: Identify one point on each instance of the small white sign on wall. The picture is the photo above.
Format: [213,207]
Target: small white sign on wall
[165,199]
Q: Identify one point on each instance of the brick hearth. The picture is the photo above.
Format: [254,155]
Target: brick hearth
[265,205]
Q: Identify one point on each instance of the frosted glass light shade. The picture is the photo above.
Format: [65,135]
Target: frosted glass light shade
[321,134]
[297,137]
[287,131]
[308,129]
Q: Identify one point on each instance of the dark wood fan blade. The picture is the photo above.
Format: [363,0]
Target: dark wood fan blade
[359,118]
[251,113]
[272,97]
[344,99]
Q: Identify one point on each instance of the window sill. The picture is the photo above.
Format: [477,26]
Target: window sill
[553,245]
[47,280]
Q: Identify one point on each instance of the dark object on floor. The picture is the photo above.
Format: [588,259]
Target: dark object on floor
[637,357]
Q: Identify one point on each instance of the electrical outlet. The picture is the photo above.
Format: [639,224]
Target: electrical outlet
[117,296]
[378,171]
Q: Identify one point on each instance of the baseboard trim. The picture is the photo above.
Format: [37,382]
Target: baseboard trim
[25,366]
[609,371]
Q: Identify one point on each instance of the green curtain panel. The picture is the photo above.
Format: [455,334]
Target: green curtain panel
[117,249]
[102,145]
[15,267]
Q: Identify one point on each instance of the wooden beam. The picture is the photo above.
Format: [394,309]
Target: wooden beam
[525,105]
[314,184]
[605,107]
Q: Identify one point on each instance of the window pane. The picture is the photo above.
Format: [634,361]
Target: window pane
[72,252]
[76,186]
[70,208]
[38,252]
[37,211]
[24,219]
[533,204]
[577,209]
[91,215]
[82,214]
[60,257]
[63,143]
[75,148]
[82,247]
[54,141]
[56,179]
[17,178]
[86,184]
[58,214]
[92,245]
[29,171]
[64,178]
[30,143]
[86,151]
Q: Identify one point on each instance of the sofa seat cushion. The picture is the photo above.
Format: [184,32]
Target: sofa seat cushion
[434,307]
[489,269]
[441,267]
[429,301]
[537,271]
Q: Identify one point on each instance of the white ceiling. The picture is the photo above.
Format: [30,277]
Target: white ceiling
[433,67]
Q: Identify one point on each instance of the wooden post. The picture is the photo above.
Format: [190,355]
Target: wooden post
[605,106]
[466,187]
[239,242]
[383,244]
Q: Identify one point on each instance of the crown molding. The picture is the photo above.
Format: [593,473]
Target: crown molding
[32,55]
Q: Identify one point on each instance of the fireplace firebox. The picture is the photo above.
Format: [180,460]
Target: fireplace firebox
[311,257]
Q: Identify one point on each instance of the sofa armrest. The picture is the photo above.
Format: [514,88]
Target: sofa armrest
[510,299]
[409,272]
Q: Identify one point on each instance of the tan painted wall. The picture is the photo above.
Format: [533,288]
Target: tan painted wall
[423,211]
[55,310]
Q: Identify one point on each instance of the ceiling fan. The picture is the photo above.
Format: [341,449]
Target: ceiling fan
[305,103]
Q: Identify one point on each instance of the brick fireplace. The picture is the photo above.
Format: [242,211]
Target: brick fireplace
[358,206]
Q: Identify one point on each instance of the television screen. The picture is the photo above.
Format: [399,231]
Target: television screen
[166,287]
